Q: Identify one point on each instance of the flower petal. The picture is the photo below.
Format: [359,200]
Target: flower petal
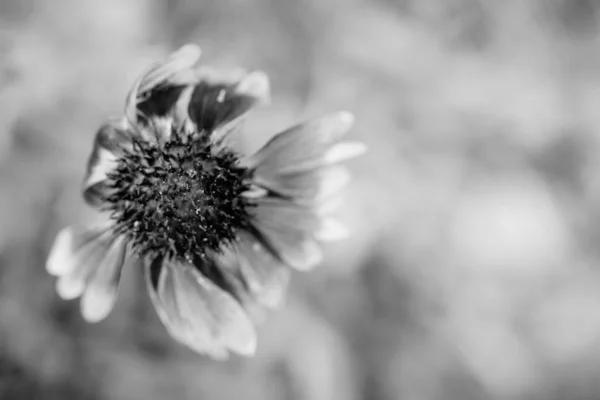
[162,291]
[217,102]
[266,277]
[306,187]
[157,89]
[200,314]
[69,241]
[301,147]
[101,292]
[76,255]
[344,151]
[282,214]
[111,140]
[296,248]
[332,230]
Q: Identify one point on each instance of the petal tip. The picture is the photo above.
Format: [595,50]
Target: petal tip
[249,348]
[189,51]
[57,263]
[346,118]
[69,289]
[96,305]
[344,151]
[256,85]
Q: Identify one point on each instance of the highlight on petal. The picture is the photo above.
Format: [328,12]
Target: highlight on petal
[332,230]
[344,151]
[75,256]
[59,259]
[255,84]
[198,313]
[101,292]
[88,262]
[70,242]
[301,147]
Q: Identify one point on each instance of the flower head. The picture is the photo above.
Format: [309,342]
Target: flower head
[218,230]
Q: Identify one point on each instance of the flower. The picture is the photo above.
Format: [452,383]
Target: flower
[218,230]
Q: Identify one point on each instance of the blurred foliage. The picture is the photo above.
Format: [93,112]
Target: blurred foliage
[473,270]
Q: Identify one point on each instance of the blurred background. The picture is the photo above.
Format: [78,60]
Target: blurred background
[474,268]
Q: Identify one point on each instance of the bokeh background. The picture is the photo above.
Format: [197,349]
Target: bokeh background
[473,270]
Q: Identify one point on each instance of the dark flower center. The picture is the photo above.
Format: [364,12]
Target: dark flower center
[178,199]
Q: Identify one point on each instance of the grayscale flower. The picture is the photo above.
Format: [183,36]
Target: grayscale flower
[218,230]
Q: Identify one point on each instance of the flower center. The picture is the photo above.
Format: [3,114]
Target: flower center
[178,199]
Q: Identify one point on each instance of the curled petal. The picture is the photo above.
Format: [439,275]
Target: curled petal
[111,140]
[157,90]
[200,314]
[301,147]
[219,99]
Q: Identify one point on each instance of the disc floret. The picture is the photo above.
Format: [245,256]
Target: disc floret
[178,199]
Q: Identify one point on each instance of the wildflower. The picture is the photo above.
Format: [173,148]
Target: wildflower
[218,230]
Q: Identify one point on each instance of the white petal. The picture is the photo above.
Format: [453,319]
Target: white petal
[296,248]
[255,84]
[182,59]
[329,206]
[332,230]
[199,314]
[307,187]
[101,292]
[266,277]
[69,288]
[225,316]
[285,215]
[59,260]
[336,180]
[301,147]
[163,299]
[77,257]
[344,151]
